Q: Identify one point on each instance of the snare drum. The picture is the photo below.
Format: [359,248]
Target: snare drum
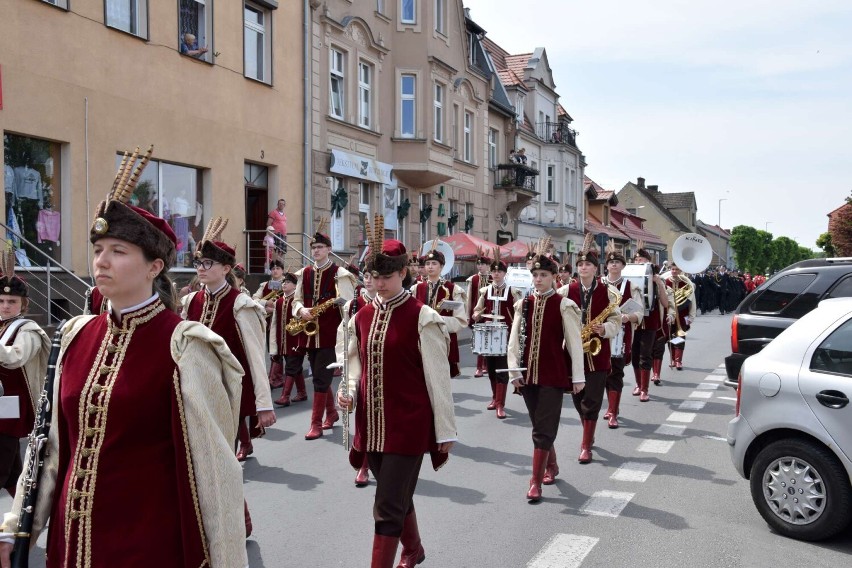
[490,339]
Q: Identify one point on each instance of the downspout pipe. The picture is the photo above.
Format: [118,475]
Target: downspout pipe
[308,220]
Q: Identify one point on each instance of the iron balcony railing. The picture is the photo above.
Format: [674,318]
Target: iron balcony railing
[257,258]
[515,176]
[556,133]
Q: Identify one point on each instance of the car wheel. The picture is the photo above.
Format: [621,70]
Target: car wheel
[801,490]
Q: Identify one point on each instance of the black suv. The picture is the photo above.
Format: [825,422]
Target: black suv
[781,300]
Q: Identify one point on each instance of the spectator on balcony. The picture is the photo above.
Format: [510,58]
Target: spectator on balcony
[521,156]
[520,174]
[190,47]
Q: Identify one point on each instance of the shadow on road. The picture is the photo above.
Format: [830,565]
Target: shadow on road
[255,471]
[255,559]
[460,495]
[520,462]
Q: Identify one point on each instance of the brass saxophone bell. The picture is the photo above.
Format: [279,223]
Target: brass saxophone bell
[311,328]
[592,346]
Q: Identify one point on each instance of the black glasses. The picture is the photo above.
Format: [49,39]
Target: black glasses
[207,264]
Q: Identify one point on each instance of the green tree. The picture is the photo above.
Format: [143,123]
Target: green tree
[824,242]
[805,253]
[785,251]
[747,248]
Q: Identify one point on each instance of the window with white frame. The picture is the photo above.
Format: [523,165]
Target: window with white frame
[365,94]
[337,90]
[175,194]
[551,183]
[257,35]
[456,130]
[468,136]
[425,203]
[380,6]
[130,16]
[364,200]
[408,11]
[58,3]
[492,147]
[439,113]
[441,16]
[408,106]
[468,213]
[572,182]
[195,36]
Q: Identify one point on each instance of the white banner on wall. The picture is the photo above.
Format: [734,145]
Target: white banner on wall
[362,167]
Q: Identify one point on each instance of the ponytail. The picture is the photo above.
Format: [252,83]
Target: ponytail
[166,291]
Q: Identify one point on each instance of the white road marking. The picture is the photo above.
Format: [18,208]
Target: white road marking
[633,471]
[670,430]
[607,503]
[655,446]
[692,404]
[727,398]
[701,394]
[708,386]
[715,438]
[681,417]
[563,551]
[714,378]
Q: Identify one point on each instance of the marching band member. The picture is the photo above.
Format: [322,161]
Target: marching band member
[620,347]
[289,348]
[139,469]
[564,277]
[646,350]
[366,296]
[544,326]
[23,362]
[504,297]
[239,321]
[685,312]
[265,296]
[601,318]
[398,358]
[474,284]
[433,291]
[239,272]
[317,287]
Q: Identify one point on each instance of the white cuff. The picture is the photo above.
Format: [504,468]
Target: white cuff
[448,440]
[262,409]
[7,537]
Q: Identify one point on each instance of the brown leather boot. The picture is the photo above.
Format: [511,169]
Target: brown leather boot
[284,399]
[384,551]
[538,466]
[246,449]
[276,374]
[301,393]
[551,470]
[614,398]
[501,400]
[655,378]
[331,415]
[248,519]
[412,548]
[638,372]
[588,440]
[362,478]
[645,379]
[316,416]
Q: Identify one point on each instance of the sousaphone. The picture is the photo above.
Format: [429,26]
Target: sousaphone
[443,248]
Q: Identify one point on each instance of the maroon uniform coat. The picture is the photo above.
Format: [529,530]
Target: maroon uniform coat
[15,384]
[445,292]
[287,344]
[597,303]
[547,361]
[317,287]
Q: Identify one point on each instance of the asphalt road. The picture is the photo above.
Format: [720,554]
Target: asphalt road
[661,491]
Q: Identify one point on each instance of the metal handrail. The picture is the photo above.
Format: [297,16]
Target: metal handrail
[48,271]
[332,253]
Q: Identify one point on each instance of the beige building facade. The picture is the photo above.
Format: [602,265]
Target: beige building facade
[209,84]
[400,121]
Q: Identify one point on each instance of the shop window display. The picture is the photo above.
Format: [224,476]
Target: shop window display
[174,193]
[31,182]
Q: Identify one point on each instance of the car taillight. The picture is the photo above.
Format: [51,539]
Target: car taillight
[739,392]
[735,343]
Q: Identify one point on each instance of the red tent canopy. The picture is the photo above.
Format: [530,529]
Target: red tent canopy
[466,247]
[515,251]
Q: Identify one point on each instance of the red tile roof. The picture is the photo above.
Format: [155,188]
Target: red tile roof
[518,63]
[594,226]
[632,226]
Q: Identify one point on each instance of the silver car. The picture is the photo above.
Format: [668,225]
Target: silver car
[792,435]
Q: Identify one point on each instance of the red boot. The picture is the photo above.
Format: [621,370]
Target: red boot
[614,398]
[384,551]
[493,404]
[248,519]
[645,379]
[539,463]
[678,357]
[412,548]
[246,449]
[480,366]
[331,415]
[362,478]
[588,440]
[551,470]
[301,393]
[284,399]
[276,374]
[638,372]
[501,400]
[658,365]
[316,416]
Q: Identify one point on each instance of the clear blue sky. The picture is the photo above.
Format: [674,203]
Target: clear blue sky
[748,101]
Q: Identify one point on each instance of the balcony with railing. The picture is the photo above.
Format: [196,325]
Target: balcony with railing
[556,133]
[515,177]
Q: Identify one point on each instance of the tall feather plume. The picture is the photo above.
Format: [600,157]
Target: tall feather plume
[7,263]
[546,245]
[322,224]
[587,242]
[125,174]
[120,171]
[375,237]
[434,245]
[610,246]
[137,173]
[496,252]
[640,244]
[215,228]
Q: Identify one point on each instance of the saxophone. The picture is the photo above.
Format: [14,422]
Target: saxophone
[592,345]
[310,327]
